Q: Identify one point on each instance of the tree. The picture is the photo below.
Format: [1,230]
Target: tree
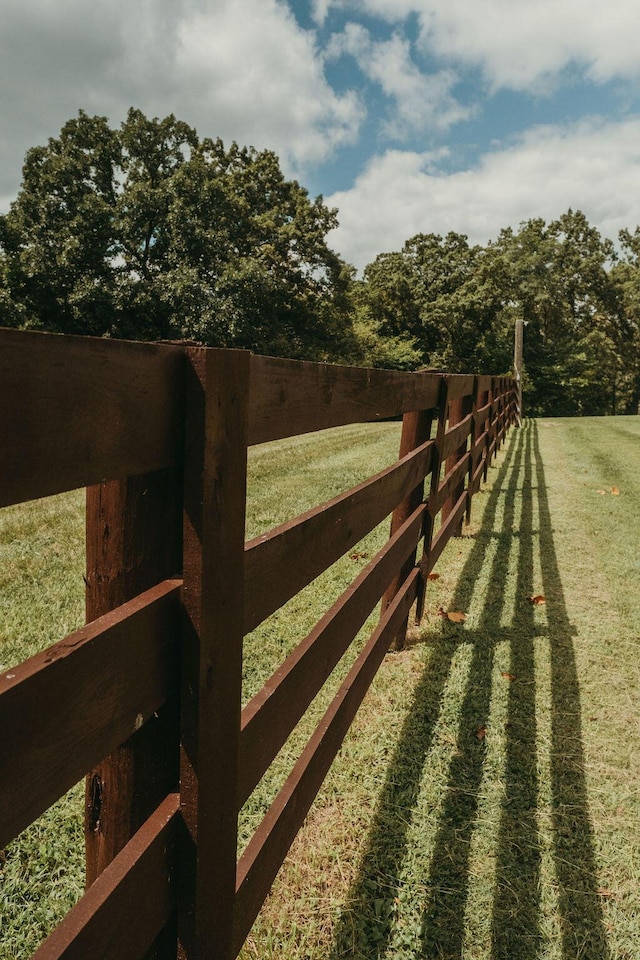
[435,292]
[557,277]
[148,232]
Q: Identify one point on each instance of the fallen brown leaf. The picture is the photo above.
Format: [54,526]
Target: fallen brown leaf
[509,676]
[433,576]
[615,491]
[358,556]
[453,616]
[537,600]
[481,733]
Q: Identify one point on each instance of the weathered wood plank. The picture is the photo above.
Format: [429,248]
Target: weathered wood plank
[268,847]
[215,496]
[444,534]
[72,704]
[272,714]
[78,410]
[450,483]
[282,562]
[126,908]
[456,437]
[482,414]
[290,397]
[416,430]
[134,540]
[459,385]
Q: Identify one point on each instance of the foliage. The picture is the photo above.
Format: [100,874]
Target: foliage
[459,303]
[148,232]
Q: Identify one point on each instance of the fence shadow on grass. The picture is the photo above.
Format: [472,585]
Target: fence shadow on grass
[579,904]
[365,925]
[365,928]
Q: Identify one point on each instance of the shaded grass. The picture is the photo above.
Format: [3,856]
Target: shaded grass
[486,803]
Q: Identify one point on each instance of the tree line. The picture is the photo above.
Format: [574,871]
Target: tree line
[149,232]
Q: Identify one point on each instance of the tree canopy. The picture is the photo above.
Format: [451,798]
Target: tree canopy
[149,232]
[579,299]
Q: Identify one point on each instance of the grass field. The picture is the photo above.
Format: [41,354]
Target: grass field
[486,803]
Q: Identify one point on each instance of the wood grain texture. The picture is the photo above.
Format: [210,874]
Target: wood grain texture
[268,847]
[459,385]
[455,438]
[134,540]
[444,534]
[70,705]
[134,898]
[271,715]
[450,483]
[291,397]
[78,410]
[282,562]
[416,430]
[215,498]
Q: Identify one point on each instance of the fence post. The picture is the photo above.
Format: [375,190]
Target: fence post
[134,540]
[458,410]
[213,597]
[416,430]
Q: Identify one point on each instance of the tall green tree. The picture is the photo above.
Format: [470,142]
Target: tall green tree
[150,232]
[435,292]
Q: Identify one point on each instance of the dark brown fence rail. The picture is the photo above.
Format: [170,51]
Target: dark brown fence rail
[146,699]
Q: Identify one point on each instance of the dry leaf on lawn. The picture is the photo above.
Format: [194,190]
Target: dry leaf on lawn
[537,600]
[453,616]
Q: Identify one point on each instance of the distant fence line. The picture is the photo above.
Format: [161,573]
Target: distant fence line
[146,698]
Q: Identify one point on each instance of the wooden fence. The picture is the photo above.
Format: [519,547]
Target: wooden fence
[146,699]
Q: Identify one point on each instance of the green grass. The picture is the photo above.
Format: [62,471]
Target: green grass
[486,803]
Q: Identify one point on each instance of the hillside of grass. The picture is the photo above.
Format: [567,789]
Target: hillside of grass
[486,803]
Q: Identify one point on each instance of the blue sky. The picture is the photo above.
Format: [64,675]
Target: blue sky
[407,115]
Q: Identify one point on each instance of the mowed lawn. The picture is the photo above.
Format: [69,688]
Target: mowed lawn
[486,803]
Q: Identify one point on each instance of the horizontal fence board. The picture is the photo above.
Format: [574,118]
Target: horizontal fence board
[482,414]
[474,484]
[444,534]
[78,410]
[455,437]
[267,849]
[282,562]
[449,484]
[70,705]
[122,913]
[272,714]
[290,397]
[459,385]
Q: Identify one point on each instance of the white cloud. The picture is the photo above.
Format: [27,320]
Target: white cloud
[521,44]
[592,166]
[421,100]
[255,73]
[239,69]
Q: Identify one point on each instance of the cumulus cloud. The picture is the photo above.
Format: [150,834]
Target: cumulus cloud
[239,69]
[420,100]
[593,166]
[522,44]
